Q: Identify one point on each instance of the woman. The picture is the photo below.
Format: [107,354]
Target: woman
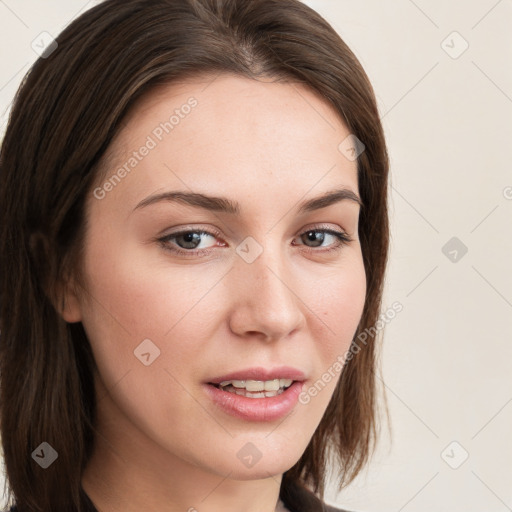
[193,243]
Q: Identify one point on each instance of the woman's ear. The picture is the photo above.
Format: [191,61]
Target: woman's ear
[62,291]
[67,302]
[69,308]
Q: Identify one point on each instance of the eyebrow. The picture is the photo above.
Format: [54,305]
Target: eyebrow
[225,205]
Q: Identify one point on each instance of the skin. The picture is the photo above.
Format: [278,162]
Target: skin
[161,443]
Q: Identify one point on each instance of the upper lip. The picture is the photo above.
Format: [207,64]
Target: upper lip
[259,373]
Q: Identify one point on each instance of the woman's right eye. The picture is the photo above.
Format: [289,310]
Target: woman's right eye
[187,242]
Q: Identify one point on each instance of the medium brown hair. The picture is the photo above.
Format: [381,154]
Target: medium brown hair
[66,113]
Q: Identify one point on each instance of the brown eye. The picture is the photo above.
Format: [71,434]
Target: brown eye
[188,242]
[316,237]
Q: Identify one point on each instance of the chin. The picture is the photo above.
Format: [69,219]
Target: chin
[258,459]
[259,471]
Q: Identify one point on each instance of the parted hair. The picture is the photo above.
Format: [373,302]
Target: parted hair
[66,112]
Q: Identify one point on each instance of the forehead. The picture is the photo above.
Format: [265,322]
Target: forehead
[231,132]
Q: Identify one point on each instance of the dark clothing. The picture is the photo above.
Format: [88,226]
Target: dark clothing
[295,498]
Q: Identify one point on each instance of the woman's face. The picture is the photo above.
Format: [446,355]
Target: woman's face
[259,287]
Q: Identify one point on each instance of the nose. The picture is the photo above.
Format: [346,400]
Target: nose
[265,303]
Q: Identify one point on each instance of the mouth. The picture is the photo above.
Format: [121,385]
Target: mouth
[257,394]
[255,388]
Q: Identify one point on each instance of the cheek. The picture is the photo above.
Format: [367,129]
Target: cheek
[131,301]
[134,309]
[129,291]
[342,300]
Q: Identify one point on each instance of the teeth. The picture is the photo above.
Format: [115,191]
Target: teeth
[248,394]
[258,385]
[256,388]
[271,385]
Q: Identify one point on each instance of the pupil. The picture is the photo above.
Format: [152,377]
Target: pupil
[312,237]
[189,238]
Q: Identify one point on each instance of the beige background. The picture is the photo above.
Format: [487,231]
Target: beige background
[446,357]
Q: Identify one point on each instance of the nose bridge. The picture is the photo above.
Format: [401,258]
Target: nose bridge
[265,299]
[269,277]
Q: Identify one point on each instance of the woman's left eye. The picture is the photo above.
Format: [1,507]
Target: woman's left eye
[188,243]
[311,235]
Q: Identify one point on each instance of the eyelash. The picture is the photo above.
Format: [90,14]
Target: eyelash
[343,239]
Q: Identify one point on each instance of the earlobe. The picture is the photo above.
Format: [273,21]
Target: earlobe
[70,310]
[69,306]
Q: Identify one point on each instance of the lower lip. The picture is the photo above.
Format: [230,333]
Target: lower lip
[256,409]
